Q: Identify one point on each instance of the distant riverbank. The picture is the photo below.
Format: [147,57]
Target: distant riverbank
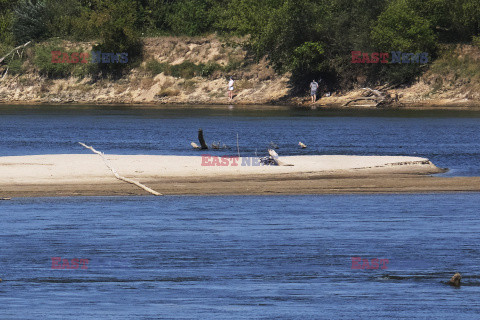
[195,71]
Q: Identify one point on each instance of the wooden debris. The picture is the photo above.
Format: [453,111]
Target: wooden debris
[14,50]
[202,140]
[275,158]
[378,98]
[455,280]
[119,177]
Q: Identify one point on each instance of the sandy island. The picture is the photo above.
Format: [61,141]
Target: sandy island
[87,175]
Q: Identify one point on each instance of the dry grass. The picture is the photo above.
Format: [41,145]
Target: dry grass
[146,83]
[243,85]
[168,92]
[190,85]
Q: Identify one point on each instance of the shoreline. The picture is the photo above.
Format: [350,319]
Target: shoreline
[87,175]
[472,105]
[360,184]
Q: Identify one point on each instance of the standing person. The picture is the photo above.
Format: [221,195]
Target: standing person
[313,90]
[230,89]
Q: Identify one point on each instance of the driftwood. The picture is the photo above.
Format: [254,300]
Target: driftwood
[455,280]
[138,184]
[13,51]
[274,157]
[202,140]
[378,98]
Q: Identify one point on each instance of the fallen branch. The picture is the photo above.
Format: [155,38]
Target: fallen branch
[13,50]
[379,98]
[138,184]
[359,99]
[5,74]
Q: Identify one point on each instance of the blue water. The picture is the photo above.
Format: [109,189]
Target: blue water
[450,139]
[256,257]
[271,257]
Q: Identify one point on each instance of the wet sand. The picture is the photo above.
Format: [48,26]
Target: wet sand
[87,175]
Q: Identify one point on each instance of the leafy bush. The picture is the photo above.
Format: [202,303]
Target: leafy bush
[186,69]
[191,17]
[6,21]
[476,41]
[43,62]
[115,23]
[15,66]
[154,67]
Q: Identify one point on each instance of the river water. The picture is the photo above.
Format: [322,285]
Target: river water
[235,257]
[449,138]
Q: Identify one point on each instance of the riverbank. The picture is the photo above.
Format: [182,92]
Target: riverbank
[195,71]
[87,175]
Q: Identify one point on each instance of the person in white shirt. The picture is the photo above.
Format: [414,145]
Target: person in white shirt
[313,90]
[230,89]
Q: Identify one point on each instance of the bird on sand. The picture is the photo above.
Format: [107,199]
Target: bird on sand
[302,145]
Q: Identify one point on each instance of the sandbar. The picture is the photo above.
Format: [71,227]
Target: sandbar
[87,175]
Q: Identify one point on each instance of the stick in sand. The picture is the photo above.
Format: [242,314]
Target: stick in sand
[238,148]
[138,184]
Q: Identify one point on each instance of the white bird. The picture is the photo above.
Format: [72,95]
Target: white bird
[302,145]
[194,145]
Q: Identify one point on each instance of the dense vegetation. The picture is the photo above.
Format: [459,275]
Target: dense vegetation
[310,38]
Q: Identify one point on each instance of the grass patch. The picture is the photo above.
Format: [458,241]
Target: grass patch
[185,70]
[243,84]
[449,65]
[42,61]
[189,86]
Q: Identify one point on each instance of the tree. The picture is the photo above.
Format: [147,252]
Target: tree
[30,21]
[401,28]
[114,22]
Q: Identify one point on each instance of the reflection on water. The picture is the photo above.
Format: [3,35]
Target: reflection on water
[285,257]
[448,138]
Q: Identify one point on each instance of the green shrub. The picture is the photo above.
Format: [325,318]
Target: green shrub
[15,66]
[115,22]
[185,70]
[476,41]
[154,67]
[43,62]
[6,35]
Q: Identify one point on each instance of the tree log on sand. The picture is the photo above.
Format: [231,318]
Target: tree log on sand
[138,184]
[378,98]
